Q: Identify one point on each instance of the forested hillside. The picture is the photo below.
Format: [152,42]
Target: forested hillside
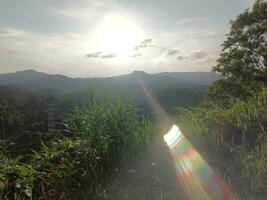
[172,89]
[42,81]
[56,143]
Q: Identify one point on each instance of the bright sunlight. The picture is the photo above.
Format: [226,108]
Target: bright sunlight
[118,35]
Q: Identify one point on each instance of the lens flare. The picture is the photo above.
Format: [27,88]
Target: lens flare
[196,177]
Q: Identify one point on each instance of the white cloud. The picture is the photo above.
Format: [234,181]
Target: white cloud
[9,32]
[181,58]
[149,42]
[137,55]
[86,10]
[197,55]
[65,53]
[172,52]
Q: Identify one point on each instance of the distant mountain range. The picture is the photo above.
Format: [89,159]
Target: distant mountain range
[172,89]
[39,80]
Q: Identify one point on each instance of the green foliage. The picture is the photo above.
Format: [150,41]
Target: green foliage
[244,52]
[222,91]
[230,126]
[234,140]
[243,60]
[21,110]
[99,139]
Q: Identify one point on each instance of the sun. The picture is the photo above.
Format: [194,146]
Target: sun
[118,35]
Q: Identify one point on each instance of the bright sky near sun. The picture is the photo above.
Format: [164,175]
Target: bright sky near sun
[88,38]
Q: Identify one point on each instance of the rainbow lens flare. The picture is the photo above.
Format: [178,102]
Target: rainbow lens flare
[197,178]
[195,175]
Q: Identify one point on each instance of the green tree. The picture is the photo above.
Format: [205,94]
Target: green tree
[243,60]
[244,52]
[222,91]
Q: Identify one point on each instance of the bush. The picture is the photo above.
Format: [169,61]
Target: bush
[98,140]
[234,140]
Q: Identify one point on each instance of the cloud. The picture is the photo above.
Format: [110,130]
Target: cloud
[137,55]
[100,55]
[199,55]
[110,55]
[171,52]
[85,9]
[181,58]
[94,55]
[145,43]
[9,32]
[70,49]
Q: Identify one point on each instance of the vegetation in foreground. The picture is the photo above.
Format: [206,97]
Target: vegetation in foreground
[234,141]
[230,127]
[98,139]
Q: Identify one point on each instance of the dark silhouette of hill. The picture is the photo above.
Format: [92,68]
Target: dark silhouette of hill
[40,80]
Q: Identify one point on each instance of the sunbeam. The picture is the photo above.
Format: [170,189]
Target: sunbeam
[196,177]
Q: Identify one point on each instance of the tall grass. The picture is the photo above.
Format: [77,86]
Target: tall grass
[98,140]
[234,140]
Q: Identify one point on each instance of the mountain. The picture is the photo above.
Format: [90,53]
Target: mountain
[40,80]
[172,89]
[202,78]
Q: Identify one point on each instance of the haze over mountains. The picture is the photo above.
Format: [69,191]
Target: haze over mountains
[40,80]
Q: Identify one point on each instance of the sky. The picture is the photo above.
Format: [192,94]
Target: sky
[99,38]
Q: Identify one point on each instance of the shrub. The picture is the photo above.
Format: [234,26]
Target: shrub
[98,140]
[234,140]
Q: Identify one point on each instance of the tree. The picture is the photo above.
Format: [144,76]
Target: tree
[222,91]
[244,53]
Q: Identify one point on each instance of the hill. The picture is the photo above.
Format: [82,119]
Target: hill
[40,80]
[172,89]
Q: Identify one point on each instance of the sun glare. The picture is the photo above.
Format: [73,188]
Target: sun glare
[195,175]
[118,35]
